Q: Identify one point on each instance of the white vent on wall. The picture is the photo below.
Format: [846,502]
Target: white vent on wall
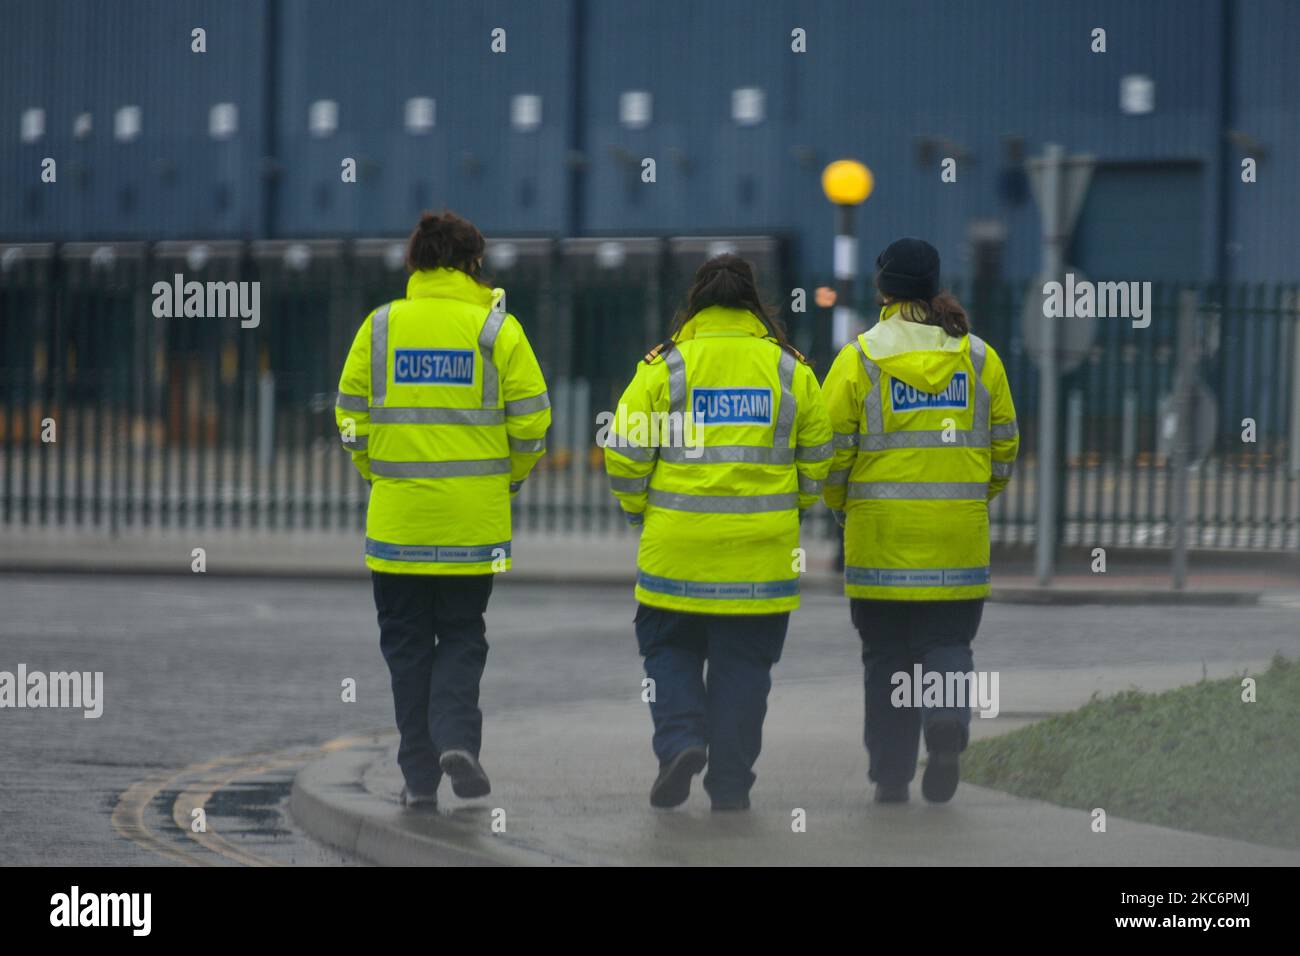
[421,113]
[323,118]
[1137,94]
[32,126]
[126,123]
[526,112]
[635,109]
[82,125]
[223,120]
[747,106]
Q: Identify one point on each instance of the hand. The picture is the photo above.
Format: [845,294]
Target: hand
[839,517]
[514,487]
[635,519]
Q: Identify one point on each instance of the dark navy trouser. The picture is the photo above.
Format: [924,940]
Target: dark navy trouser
[431,632]
[722,710]
[897,635]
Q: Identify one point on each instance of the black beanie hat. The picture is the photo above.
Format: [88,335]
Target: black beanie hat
[908,269]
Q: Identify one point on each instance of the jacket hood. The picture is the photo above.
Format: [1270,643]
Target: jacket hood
[449,284]
[923,356]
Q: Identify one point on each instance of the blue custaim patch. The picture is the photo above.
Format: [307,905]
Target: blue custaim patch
[732,406]
[433,366]
[905,398]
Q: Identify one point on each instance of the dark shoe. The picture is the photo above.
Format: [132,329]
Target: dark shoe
[727,806]
[891,793]
[673,785]
[943,740]
[467,777]
[423,802]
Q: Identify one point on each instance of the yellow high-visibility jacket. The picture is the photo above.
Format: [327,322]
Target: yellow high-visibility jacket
[720,478]
[925,437]
[443,407]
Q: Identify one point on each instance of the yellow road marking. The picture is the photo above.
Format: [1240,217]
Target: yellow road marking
[128,815]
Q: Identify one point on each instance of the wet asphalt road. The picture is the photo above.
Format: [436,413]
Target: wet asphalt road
[200,668]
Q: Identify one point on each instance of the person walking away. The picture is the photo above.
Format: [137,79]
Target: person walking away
[925,436]
[444,409]
[719,503]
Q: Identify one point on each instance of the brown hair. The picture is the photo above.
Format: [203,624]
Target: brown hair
[943,310]
[728,281]
[446,241]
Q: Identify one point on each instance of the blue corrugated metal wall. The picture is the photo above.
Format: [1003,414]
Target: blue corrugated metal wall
[1262,220]
[900,84]
[874,80]
[71,58]
[371,58]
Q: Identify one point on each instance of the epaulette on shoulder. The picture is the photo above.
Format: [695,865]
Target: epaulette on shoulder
[658,350]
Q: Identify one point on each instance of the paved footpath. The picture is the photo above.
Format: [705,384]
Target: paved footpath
[569,790]
[567,743]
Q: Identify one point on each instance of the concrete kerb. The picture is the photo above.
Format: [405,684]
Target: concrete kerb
[330,802]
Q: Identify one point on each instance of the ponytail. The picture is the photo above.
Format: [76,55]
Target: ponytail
[943,310]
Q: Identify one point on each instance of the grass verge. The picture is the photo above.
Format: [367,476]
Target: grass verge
[1196,758]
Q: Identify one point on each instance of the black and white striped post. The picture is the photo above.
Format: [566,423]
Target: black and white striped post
[847,183]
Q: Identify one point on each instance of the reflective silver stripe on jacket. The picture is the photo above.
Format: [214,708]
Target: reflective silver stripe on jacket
[525,406]
[944,490]
[915,577]
[379,356]
[872,416]
[526,444]
[721,590]
[352,403]
[924,438]
[358,443]
[810,486]
[437,553]
[845,440]
[439,469]
[716,454]
[437,416]
[815,452]
[629,485]
[1002,469]
[1001,431]
[983,401]
[487,340]
[624,447]
[839,476]
[676,380]
[786,414]
[723,504]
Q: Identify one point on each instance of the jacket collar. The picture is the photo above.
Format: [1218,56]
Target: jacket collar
[716,320]
[447,284]
[889,338]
